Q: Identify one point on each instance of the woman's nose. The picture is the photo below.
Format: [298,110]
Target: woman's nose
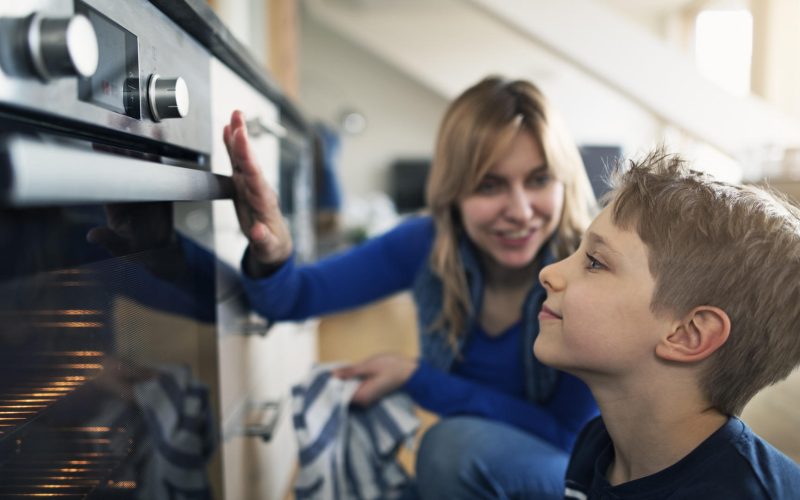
[520,206]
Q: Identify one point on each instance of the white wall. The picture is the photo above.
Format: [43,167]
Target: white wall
[596,114]
[402,115]
[354,58]
[777,43]
[247,20]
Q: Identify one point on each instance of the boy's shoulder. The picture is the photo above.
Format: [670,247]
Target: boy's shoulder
[732,463]
[778,474]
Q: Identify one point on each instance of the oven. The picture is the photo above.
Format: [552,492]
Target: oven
[108,274]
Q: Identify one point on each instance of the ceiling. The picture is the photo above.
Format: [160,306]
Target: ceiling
[445,43]
[650,6]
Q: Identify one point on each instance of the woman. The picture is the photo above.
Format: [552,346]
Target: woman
[507,195]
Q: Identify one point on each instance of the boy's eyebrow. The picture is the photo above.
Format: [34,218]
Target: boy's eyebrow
[597,240]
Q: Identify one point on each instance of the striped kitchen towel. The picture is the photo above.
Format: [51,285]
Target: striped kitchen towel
[177,412]
[348,452]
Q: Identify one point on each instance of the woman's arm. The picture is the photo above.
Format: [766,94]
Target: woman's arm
[447,394]
[370,271]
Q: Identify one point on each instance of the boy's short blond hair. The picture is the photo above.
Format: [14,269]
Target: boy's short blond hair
[733,247]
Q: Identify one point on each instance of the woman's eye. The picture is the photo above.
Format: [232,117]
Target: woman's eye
[488,186]
[593,264]
[540,180]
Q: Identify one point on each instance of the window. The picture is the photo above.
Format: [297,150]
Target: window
[724,47]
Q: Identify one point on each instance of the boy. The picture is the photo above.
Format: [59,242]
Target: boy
[681,303]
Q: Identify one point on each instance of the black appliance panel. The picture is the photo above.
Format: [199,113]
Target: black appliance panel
[86,408]
[115,84]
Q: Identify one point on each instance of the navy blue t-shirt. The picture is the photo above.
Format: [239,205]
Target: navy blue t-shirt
[731,464]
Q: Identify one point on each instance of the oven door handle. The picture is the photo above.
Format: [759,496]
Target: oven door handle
[37,173]
[258,126]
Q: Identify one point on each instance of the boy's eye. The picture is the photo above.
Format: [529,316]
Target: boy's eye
[593,264]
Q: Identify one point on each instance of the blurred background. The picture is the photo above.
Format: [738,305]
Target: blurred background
[717,79]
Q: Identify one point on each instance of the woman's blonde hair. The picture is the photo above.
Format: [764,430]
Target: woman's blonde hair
[476,132]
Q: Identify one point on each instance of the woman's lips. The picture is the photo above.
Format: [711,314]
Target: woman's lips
[547,313]
[515,238]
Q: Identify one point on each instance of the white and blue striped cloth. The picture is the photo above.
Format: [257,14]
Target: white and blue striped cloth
[177,411]
[349,452]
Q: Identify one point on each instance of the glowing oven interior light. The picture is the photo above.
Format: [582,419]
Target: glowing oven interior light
[80,366]
[52,312]
[127,485]
[68,324]
[85,429]
[72,353]
[55,389]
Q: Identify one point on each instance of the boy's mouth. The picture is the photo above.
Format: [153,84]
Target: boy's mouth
[547,313]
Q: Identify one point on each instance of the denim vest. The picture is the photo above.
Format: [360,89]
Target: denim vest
[540,380]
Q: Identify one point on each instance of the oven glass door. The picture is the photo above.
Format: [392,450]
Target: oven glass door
[106,316]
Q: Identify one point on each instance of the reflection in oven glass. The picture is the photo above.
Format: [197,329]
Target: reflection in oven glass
[103,314]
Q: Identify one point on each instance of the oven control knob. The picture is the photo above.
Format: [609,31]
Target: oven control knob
[168,97]
[60,47]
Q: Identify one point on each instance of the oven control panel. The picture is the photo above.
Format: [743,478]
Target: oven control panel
[115,83]
[124,66]
[167,97]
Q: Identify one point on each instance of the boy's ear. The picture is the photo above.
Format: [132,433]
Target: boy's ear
[696,336]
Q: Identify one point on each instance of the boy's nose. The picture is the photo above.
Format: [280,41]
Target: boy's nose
[551,279]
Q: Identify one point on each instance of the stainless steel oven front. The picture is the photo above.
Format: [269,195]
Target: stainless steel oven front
[107,265]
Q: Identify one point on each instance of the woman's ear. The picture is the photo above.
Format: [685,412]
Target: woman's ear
[698,335]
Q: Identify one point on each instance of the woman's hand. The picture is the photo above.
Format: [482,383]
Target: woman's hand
[256,203]
[134,227]
[381,374]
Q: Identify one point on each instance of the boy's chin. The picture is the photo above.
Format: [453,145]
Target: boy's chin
[554,357]
[559,364]
[545,355]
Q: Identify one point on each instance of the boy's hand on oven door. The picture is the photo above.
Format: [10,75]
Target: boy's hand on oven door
[256,202]
[381,374]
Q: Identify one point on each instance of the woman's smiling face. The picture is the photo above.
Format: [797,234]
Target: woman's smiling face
[516,207]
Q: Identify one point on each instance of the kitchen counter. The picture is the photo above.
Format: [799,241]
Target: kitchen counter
[200,21]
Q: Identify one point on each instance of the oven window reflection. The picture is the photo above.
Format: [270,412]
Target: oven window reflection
[105,313]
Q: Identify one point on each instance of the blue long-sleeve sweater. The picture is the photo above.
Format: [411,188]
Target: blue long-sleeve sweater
[488,379]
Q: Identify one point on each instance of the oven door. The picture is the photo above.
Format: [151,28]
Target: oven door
[107,323]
